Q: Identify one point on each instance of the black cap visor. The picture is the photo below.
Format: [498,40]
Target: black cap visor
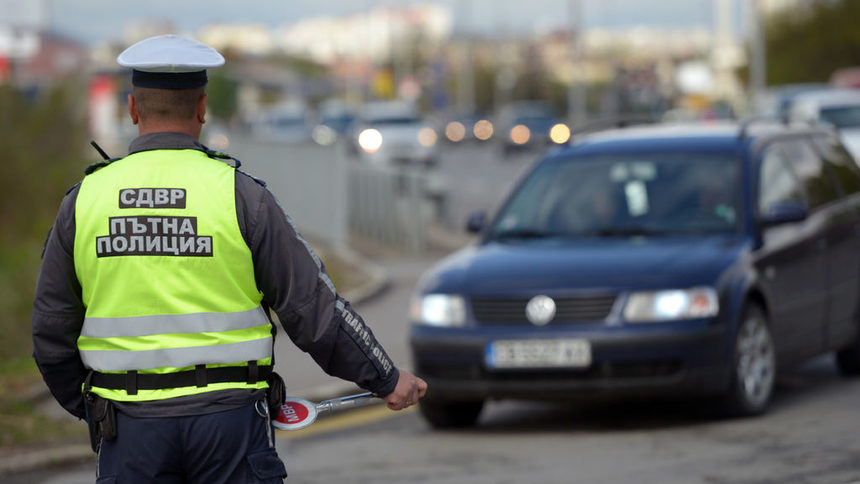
[169,80]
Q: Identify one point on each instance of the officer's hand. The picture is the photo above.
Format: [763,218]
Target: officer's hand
[407,392]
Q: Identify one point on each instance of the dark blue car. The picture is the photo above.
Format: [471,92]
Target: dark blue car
[693,260]
[526,125]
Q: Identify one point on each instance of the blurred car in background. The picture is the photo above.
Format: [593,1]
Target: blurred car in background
[529,125]
[660,260]
[775,102]
[839,108]
[284,122]
[336,119]
[393,132]
[468,127]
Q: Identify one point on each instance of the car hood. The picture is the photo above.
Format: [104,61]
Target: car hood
[400,133]
[509,268]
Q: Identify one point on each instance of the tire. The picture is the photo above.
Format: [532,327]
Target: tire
[753,366]
[848,359]
[450,414]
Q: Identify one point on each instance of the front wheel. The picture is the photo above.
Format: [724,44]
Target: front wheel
[848,359]
[443,414]
[754,366]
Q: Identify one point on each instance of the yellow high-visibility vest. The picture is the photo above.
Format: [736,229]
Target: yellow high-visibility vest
[167,279]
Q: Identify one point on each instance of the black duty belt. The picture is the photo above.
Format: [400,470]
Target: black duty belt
[200,376]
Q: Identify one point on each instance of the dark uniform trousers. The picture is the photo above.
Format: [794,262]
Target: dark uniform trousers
[233,446]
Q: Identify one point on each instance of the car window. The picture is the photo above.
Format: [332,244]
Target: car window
[624,195]
[842,116]
[842,163]
[777,183]
[817,180]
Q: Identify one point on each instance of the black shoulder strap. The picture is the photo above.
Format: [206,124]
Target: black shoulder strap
[99,164]
[221,156]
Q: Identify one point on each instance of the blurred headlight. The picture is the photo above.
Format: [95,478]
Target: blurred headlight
[426,137]
[559,133]
[323,135]
[370,140]
[670,305]
[438,310]
[455,131]
[483,130]
[520,134]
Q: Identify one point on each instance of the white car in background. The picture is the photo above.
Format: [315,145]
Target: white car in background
[283,123]
[393,132]
[837,107]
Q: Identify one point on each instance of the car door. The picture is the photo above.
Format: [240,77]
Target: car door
[843,243]
[792,261]
[821,185]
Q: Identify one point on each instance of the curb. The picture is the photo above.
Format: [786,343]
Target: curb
[45,458]
[378,277]
[33,460]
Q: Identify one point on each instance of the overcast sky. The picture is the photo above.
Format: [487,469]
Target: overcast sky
[101,20]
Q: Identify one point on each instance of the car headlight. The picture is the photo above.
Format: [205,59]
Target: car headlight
[520,134]
[559,133]
[426,137]
[438,310]
[324,135]
[483,130]
[455,131]
[370,140]
[670,305]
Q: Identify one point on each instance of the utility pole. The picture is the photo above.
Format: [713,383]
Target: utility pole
[466,82]
[758,53]
[576,91]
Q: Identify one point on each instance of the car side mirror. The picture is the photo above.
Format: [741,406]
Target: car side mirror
[784,212]
[476,222]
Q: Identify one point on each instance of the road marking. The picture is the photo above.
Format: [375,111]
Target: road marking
[352,418]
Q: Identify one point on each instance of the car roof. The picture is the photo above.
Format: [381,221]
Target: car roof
[830,97]
[704,137]
[384,109]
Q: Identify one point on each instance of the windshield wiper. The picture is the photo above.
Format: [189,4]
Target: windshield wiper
[525,234]
[628,231]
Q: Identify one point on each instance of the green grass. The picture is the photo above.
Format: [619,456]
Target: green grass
[21,423]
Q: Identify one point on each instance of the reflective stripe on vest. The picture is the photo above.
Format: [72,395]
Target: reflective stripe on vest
[173,323]
[166,276]
[120,344]
[120,360]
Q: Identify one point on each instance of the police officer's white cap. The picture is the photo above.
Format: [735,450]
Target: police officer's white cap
[170,62]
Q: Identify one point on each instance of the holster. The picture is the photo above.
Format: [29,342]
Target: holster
[101,417]
[276,394]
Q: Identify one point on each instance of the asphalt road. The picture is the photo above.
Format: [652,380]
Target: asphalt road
[809,436]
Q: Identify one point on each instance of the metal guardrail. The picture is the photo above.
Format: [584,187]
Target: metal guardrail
[329,195]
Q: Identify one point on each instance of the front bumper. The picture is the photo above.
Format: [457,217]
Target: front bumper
[677,358]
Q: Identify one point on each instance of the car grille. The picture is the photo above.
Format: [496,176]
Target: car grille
[513,311]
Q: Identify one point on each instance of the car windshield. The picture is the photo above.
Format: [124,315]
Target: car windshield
[287,122]
[395,119]
[842,117]
[533,119]
[622,196]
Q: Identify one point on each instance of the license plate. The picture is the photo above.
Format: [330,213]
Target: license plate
[538,353]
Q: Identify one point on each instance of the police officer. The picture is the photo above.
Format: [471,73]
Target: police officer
[150,316]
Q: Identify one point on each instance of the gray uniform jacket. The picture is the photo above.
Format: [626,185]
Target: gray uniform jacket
[291,277]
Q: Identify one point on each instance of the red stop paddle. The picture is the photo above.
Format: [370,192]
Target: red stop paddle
[298,413]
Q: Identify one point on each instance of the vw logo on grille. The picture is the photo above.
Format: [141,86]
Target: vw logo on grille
[540,310]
